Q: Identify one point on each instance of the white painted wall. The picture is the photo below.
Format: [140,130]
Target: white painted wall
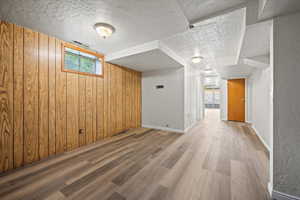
[223,99]
[163,108]
[259,99]
[193,96]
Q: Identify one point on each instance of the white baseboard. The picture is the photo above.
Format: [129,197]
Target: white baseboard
[282,196]
[163,128]
[261,139]
[189,128]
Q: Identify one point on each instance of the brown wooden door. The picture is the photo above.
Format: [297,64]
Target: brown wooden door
[236,100]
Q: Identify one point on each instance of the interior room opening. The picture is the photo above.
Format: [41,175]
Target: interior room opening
[212,94]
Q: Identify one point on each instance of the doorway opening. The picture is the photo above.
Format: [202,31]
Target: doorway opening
[212,101]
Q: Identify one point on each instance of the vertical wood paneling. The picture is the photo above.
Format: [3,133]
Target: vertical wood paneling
[82,109]
[72,111]
[52,99]
[112,90]
[108,105]
[139,106]
[31,128]
[18,95]
[6,96]
[61,97]
[100,108]
[137,91]
[127,91]
[124,99]
[43,108]
[132,102]
[119,103]
[43,96]
[94,110]
[89,110]
[133,91]
[105,91]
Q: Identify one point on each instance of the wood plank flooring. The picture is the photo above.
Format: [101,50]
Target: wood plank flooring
[215,160]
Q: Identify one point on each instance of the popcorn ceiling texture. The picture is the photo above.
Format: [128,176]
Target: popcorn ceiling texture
[197,9]
[136,21]
[216,39]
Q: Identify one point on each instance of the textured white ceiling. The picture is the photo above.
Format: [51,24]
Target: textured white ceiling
[151,60]
[146,57]
[199,9]
[256,40]
[136,21]
[272,8]
[236,71]
[217,40]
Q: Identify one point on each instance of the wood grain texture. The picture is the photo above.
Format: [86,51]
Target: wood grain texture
[31,115]
[124,127]
[152,165]
[107,101]
[72,111]
[18,95]
[100,108]
[127,98]
[43,99]
[90,108]
[82,109]
[45,111]
[133,100]
[119,100]
[94,111]
[139,104]
[52,96]
[61,101]
[113,103]
[6,96]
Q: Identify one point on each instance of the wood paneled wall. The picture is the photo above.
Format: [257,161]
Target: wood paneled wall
[42,108]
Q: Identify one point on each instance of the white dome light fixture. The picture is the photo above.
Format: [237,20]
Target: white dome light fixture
[197,59]
[104,30]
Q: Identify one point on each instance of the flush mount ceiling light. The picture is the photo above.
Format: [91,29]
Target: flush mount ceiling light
[104,30]
[197,59]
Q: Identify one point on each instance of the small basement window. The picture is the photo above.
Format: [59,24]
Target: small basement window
[82,61]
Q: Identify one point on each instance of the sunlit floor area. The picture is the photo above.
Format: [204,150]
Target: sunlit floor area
[215,160]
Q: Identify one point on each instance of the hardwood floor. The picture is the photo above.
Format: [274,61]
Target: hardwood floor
[214,161]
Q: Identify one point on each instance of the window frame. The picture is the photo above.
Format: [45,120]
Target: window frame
[70,46]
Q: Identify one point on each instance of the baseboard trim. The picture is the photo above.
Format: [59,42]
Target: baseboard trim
[189,128]
[163,128]
[282,196]
[260,138]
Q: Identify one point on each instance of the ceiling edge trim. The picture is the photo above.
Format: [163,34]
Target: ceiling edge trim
[133,50]
[242,39]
